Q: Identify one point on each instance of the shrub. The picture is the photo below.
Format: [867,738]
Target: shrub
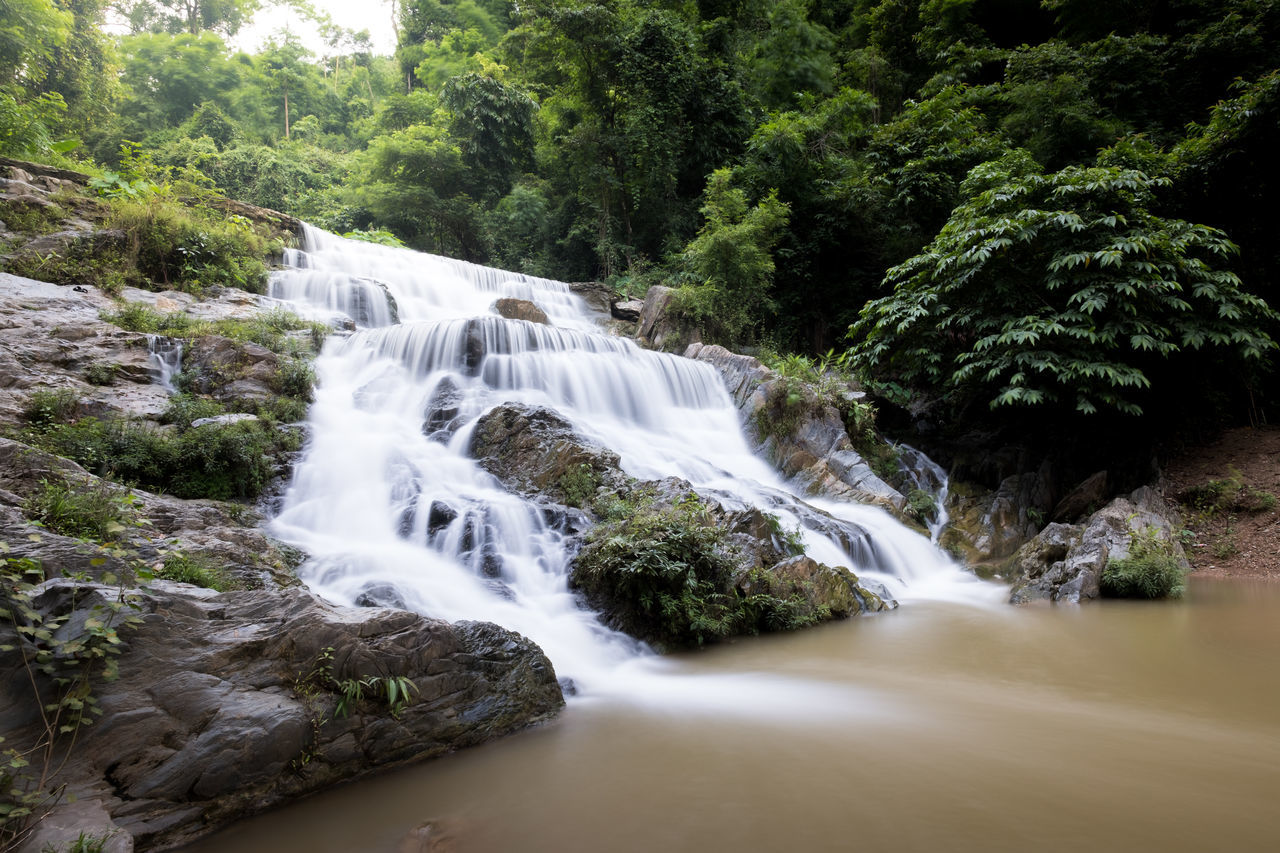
[101,373]
[219,461]
[45,408]
[197,569]
[94,510]
[1150,571]
[661,574]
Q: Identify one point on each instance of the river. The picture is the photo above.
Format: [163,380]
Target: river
[1111,727]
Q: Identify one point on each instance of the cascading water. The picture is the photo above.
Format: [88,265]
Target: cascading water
[166,359]
[927,476]
[393,511]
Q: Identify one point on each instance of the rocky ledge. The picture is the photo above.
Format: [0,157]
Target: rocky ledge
[228,704]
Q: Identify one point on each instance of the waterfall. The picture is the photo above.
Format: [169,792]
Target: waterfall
[166,359]
[393,511]
[927,476]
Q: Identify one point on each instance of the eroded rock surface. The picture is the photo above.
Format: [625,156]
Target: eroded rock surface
[227,704]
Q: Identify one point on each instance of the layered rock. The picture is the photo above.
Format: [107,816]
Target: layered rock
[228,704]
[812,446]
[520,309]
[1064,562]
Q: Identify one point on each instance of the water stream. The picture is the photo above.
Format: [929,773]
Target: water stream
[394,511]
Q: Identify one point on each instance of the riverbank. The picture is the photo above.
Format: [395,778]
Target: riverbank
[1236,534]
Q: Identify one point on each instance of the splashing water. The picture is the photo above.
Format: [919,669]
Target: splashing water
[394,512]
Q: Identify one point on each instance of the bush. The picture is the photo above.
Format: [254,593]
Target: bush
[1150,571]
[219,461]
[661,574]
[197,569]
[94,510]
[45,408]
[669,575]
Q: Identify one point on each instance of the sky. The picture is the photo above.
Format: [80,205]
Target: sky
[371,15]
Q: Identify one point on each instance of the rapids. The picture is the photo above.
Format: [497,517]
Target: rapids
[393,511]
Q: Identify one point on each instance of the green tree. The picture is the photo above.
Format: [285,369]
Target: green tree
[730,262]
[1060,290]
[493,122]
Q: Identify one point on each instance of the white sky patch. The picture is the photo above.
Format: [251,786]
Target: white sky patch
[371,15]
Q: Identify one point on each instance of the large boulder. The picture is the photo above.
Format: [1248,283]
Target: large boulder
[660,326]
[1064,563]
[231,370]
[227,705]
[989,526]
[807,442]
[520,309]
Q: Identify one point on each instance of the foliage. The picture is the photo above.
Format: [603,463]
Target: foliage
[270,329]
[395,692]
[1059,289]
[86,510]
[1150,571]
[43,409]
[579,485]
[1229,494]
[219,461]
[65,659]
[731,262]
[669,575]
[197,569]
[378,235]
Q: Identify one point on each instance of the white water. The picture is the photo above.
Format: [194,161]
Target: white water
[166,359]
[393,510]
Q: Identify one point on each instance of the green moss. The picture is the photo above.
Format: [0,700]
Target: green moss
[670,576]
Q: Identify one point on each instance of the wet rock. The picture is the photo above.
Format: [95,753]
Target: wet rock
[230,370]
[990,526]
[1063,564]
[811,444]
[660,327]
[225,705]
[598,296]
[381,595]
[837,591]
[536,451]
[520,309]
[441,417]
[224,420]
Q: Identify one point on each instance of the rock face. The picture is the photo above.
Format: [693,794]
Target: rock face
[989,526]
[228,704]
[659,328]
[231,370]
[814,449]
[520,309]
[1064,562]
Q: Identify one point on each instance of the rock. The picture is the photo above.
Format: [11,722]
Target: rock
[521,309]
[226,704]
[226,534]
[598,296]
[440,420]
[72,243]
[1088,496]
[659,327]
[224,420]
[1064,563]
[814,448]
[629,311]
[535,451]
[230,370]
[987,526]
[818,586]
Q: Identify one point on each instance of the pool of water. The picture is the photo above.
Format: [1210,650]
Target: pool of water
[941,726]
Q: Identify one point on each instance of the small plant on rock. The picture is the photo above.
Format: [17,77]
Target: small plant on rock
[1150,571]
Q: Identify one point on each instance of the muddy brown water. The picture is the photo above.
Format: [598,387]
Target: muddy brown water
[940,727]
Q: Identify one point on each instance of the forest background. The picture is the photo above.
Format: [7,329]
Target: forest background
[1030,214]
